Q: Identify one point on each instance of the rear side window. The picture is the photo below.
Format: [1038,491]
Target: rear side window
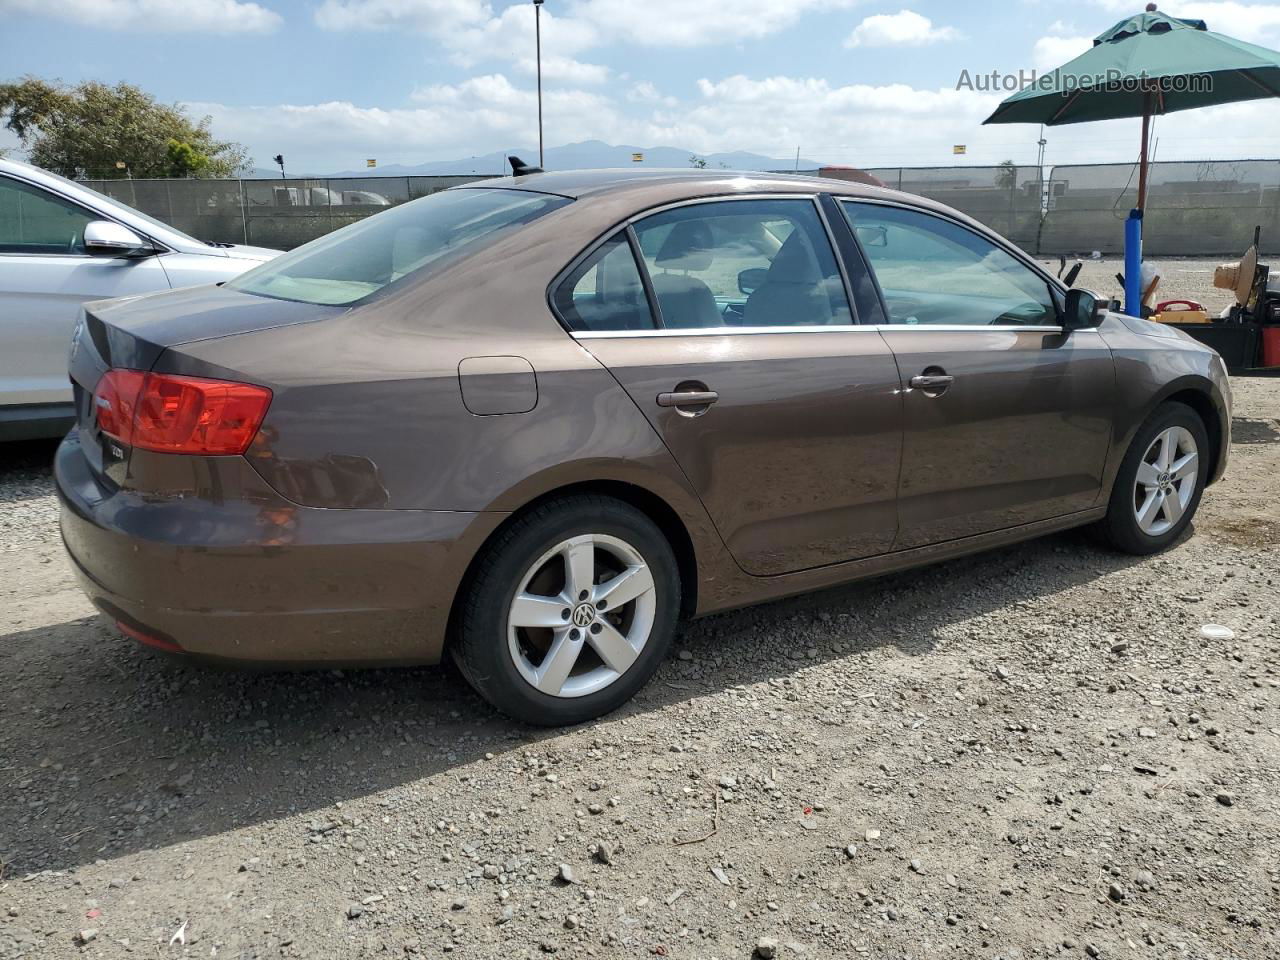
[356,261]
[605,291]
[35,221]
[743,263]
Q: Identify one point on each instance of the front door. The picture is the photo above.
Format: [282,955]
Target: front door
[1007,418]
[45,275]
[783,413]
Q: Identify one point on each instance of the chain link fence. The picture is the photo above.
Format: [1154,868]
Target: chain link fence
[1006,198]
[269,213]
[1193,208]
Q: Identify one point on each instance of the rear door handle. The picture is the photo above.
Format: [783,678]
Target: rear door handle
[932,381]
[688,398]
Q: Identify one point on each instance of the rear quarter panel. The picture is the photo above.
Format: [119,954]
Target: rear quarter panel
[367,409]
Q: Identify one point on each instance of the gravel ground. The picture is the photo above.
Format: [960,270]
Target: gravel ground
[1030,753]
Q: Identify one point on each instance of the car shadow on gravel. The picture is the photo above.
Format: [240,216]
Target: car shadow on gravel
[1248,431]
[108,749]
[26,469]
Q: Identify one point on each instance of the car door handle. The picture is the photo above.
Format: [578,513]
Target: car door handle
[932,381]
[688,398]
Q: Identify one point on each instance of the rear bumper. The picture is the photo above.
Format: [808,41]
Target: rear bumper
[228,570]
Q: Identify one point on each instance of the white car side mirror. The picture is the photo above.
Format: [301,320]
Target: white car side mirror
[102,238]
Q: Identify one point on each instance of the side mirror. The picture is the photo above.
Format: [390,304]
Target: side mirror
[102,238]
[1084,309]
[872,236]
[752,279]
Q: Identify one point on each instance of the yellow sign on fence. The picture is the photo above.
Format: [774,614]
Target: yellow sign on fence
[371,163]
[958,149]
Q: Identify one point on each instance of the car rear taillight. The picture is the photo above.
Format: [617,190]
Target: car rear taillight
[173,414]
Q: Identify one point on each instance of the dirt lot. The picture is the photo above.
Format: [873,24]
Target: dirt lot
[1032,753]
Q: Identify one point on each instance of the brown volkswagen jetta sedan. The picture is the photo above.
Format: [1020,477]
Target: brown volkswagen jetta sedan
[534,421]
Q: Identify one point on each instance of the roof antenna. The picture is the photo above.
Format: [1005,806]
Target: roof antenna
[521,169]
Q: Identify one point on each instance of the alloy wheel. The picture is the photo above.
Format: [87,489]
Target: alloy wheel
[581,615]
[1166,481]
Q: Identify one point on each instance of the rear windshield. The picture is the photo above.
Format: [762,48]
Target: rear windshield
[350,264]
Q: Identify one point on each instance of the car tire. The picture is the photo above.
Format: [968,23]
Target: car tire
[1146,515]
[524,614]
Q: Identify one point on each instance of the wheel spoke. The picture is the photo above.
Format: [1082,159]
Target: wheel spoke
[531,610]
[632,582]
[1168,446]
[1148,475]
[1148,511]
[579,566]
[558,662]
[1173,508]
[613,648]
[1185,466]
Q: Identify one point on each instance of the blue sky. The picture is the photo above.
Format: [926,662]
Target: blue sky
[330,82]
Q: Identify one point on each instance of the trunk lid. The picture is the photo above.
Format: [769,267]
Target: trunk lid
[132,333]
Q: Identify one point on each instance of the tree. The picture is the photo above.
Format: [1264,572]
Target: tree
[101,131]
[1007,175]
[184,160]
[699,163]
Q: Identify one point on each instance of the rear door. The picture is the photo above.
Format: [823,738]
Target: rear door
[738,343]
[45,275]
[1007,418]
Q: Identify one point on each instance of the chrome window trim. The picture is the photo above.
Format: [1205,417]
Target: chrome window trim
[828,328]
[814,197]
[627,224]
[717,198]
[962,327]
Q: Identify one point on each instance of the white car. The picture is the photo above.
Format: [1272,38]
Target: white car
[61,245]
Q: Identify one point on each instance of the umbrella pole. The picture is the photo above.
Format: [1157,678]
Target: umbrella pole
[1133,226]
[1144,161]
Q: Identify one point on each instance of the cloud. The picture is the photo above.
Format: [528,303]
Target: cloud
[646,92]
[466,25]
[1254,22]
[478,115]
[906,28]
[1052,52]
[679,23]
[430,16]
[471,33]
[154,16]
[564,70]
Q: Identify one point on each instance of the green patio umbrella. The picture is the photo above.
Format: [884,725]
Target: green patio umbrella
[1146,65]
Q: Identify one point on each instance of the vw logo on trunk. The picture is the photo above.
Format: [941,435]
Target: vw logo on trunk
[583,615]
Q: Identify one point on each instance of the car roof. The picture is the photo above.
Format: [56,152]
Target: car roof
[676,182]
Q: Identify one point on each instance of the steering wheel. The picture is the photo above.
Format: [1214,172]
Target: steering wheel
[1023,314]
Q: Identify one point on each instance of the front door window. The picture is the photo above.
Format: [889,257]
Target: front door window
[933,271]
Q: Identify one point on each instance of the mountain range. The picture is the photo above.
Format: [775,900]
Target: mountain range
[587,155]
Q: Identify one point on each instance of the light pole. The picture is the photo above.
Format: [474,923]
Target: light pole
[537,32]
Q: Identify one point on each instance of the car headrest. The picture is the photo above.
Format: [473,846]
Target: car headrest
[795,262]
[410,247]
[688,247]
